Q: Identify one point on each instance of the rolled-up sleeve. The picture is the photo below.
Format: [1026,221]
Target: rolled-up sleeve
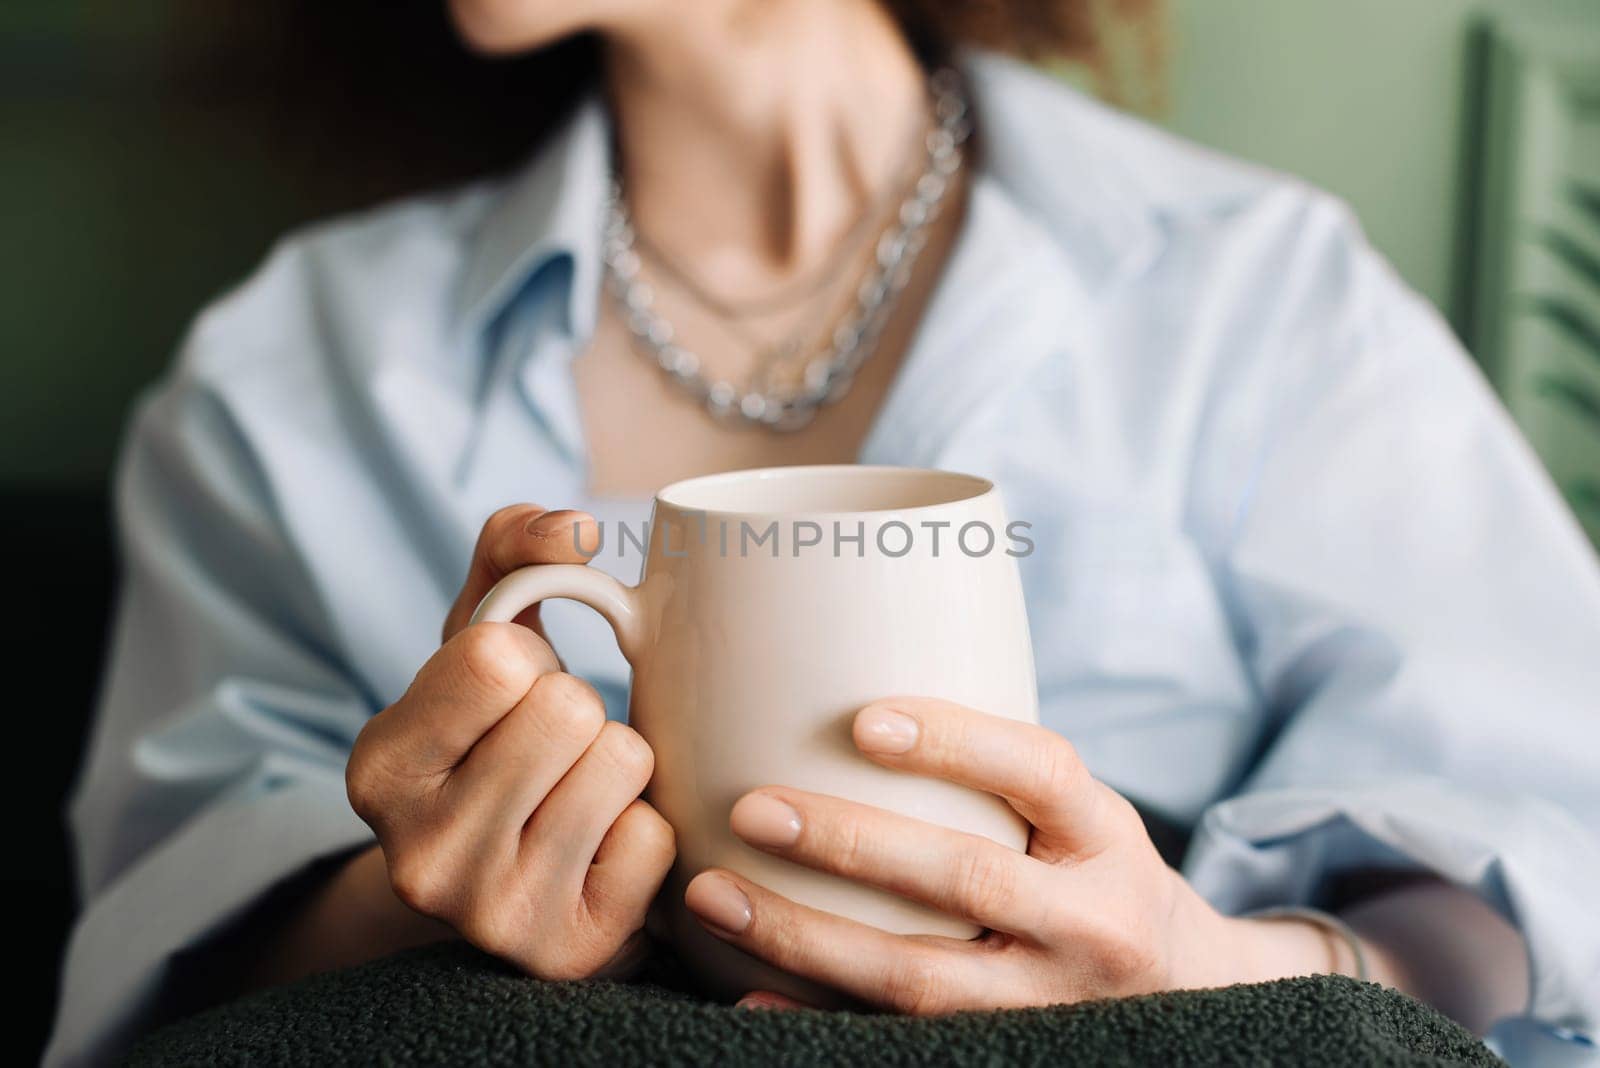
[217,765]
[1421,616]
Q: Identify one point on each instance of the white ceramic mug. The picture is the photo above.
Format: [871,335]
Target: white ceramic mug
[773,605]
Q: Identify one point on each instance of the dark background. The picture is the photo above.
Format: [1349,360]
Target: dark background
[184,111]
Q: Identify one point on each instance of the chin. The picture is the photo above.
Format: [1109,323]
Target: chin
[503,27]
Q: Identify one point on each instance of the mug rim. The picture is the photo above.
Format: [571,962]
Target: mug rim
[974,487]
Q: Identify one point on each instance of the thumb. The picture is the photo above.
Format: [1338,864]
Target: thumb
[515,537]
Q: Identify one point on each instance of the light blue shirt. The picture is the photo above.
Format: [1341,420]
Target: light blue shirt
[1298,583]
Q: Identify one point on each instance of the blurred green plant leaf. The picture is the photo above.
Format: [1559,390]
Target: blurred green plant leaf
[1584,495]
[1587,199]
[1578,398]
[1570,320]
[1571,252]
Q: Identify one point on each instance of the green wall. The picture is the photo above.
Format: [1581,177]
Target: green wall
[1367,98]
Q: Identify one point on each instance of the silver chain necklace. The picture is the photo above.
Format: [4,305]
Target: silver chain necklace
[829,374]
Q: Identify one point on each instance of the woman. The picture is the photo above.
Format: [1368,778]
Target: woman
[1299,588]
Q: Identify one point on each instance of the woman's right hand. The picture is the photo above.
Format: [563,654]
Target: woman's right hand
[504,802]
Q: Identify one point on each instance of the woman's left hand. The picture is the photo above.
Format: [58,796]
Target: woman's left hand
[1090,911]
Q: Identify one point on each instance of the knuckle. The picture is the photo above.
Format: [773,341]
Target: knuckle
[916,986]
[369,780]
[361,783]
[1056,768]
[626,751]
[1123,814]
[363,796]
[787,941]
[984,884]
[850,844]
[648,833]
[418,882]
[497,658]
[1121,959]
[568,707]
[608,900]
[490,927]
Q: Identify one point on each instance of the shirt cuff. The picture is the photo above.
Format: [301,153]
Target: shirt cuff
[203,876]
[1529,859]
[1524,1042]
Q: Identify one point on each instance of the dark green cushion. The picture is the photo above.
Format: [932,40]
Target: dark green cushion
[450,1005]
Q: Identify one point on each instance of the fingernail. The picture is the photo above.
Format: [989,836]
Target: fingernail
[763,820]
[546,523]
[883,730]
[761,1001]
[718,902]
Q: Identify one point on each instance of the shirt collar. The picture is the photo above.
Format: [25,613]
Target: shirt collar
[1055,152]
[1066,162]
[549,210]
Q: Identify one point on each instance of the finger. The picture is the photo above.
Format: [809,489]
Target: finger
[496,531]
[768,999]
[1035,769]
[564,834]
[960,874]
[514,537]
[463,690]
[919,975]
[629,866]
[513,768]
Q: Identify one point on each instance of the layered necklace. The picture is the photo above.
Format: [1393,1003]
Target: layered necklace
[769,399]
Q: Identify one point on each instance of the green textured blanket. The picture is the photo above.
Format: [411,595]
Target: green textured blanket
[452,1006]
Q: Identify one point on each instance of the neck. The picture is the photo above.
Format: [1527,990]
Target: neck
[753,133]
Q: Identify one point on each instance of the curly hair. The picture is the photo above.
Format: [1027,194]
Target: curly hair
[416,110]
[1034,29]
[1107,37]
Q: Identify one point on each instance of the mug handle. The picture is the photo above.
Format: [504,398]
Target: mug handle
[525,587]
